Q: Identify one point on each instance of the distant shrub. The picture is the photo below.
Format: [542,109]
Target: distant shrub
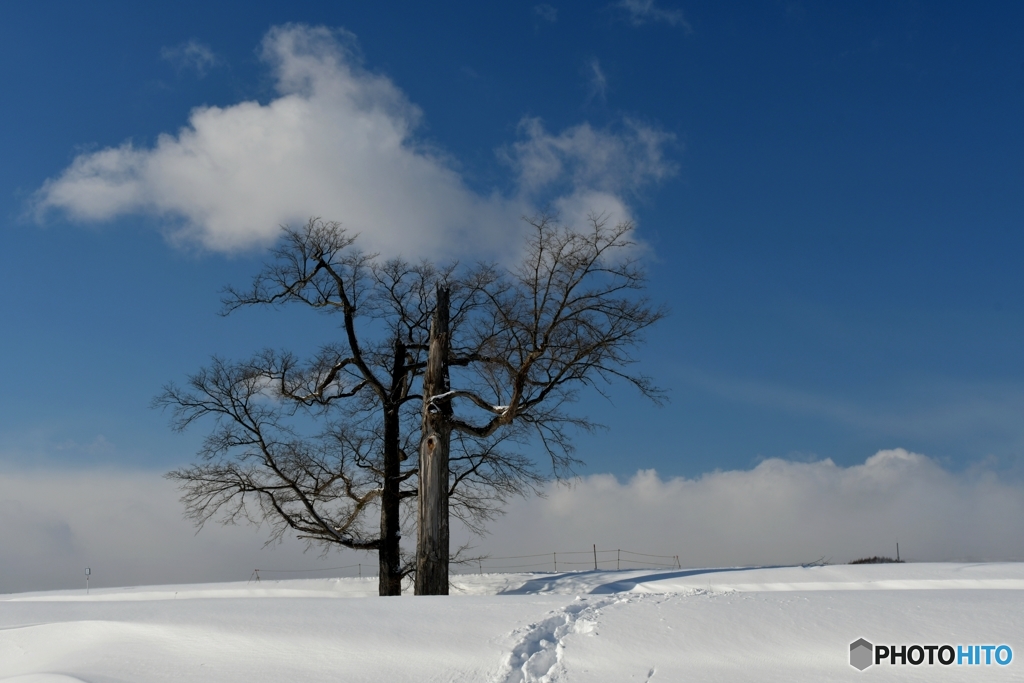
[877,560]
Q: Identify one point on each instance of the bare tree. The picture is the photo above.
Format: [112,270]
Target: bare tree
[317,446]
[567,318]
[257,466]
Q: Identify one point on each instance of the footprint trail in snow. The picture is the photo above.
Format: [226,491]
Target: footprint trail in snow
[536,656]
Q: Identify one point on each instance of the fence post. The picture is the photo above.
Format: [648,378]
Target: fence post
[554,556]
[595,557]
[618,555]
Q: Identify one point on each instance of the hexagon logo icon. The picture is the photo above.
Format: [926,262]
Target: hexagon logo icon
[861,654]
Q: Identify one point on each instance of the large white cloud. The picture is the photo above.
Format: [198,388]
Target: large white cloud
[128,526]
[780,512]
[340,142]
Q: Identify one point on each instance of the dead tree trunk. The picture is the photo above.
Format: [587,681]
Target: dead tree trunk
[432,542]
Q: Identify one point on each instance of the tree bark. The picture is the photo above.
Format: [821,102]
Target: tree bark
[388,555]
[432,542]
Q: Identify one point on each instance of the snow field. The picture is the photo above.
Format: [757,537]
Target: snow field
[770,624]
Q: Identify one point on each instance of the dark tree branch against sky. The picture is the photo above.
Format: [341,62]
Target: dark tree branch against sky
[565,320]
[316,448]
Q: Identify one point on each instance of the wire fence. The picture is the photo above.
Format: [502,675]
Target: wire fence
[594,559]
[255,576]
[575,560]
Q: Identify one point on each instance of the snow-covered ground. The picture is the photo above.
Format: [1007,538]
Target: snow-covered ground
[766,624]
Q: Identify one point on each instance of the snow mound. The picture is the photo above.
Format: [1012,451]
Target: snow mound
[42,678]
[774,624]
[924,576]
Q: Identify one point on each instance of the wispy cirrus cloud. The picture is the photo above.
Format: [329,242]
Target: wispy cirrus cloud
[546,12]
[640,12]
[340,141]
[191,55]
[970,415]
[597,82]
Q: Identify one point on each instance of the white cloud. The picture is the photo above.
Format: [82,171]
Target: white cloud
[546,12]
[583,169]
[128,526]
[339,142]
[598,82]
[191,55]
[780,512]
[643,11]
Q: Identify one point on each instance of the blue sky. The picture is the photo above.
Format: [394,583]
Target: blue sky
[831,195]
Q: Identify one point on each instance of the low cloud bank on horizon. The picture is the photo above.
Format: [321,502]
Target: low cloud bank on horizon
[339,142]
[781,513]
[127,526]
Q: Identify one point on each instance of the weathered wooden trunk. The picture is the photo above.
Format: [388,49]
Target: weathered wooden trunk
[432,540]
